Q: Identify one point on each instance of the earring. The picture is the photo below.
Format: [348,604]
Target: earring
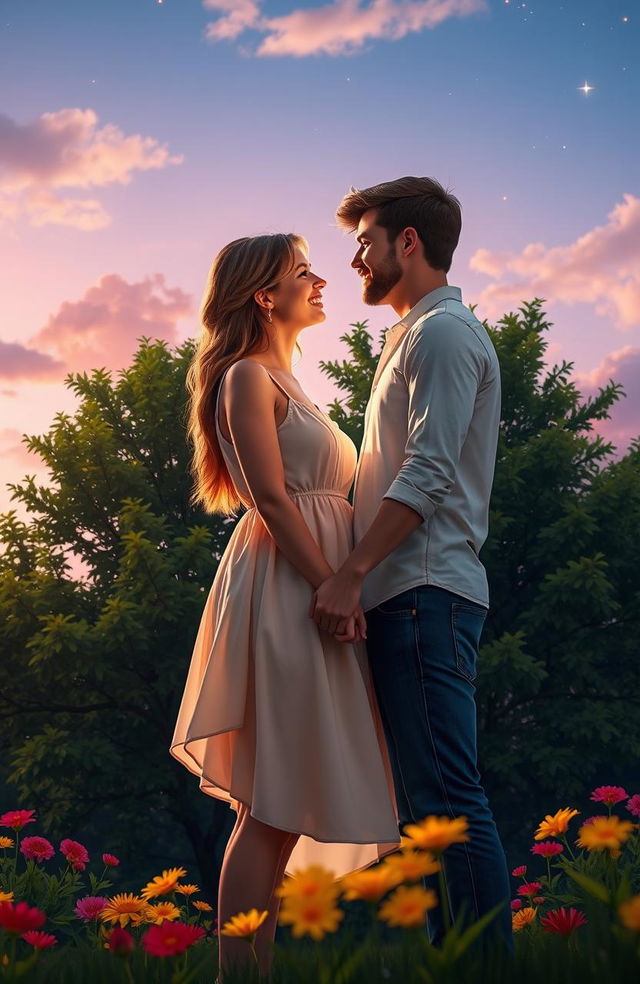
[269,318]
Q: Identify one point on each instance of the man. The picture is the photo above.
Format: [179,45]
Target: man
[421,506]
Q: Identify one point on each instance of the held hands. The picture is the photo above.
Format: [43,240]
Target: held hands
[335,607]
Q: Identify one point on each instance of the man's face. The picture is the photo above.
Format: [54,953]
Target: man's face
[375,261]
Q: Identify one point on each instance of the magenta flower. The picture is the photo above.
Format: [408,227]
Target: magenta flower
[110,860]
[75,853]
[633,806]
[39,940]
[17,818]
[521,870]
[547,849]
[90,907]
[529,888]
[609,795]
[563,921]
[121,942]
[601,816]
[37,848]
[516,904]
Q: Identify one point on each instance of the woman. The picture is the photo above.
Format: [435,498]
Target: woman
[277,717]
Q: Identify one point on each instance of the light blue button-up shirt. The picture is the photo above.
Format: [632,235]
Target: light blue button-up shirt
[430,439]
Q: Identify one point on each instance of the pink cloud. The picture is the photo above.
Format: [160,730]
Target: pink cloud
[17,362]
[601,267]
[621,366]
[12,447]
[341,27]
[102,328]
[68,150]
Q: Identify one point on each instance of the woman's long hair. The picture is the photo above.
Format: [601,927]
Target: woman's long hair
[233,325]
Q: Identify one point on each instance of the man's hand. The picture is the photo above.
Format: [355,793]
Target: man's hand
[335,601]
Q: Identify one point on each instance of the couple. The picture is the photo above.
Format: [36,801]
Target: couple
[325,746]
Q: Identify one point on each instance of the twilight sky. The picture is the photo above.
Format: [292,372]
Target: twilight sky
[139,136]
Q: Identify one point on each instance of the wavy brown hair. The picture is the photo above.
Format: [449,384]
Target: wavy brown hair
[233,325]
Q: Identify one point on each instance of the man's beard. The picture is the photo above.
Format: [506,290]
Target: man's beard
[382,280]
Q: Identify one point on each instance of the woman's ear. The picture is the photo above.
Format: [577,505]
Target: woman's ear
[263,300]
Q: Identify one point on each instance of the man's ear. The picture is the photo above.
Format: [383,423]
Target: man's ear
[409,240]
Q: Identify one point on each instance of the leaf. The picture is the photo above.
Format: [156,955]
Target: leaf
[590,885]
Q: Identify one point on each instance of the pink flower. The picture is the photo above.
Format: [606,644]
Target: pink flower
[17,818]
[516,904]
[609,795]
[529,888]
[601,816]
[110,860]
[37,848]
[633,806]
[120,941]
[520,871]
[75,853]
[547,849]
[90,907]
[170,938]
[563,921]
[538,899]
[20,918]
[39,940]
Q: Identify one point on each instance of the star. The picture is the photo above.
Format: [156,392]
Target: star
[586,88]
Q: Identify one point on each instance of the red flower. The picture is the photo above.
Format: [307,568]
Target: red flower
[516,904]
[37,848]
[601,816]
[563,921]
[120,941]
[529,888]
[170,938]
[17,818]
[520,871]
[633,806]
[75,853]
[38,939]
[538,899]
[19,918]
[609,795]
[547,849]
[110,860]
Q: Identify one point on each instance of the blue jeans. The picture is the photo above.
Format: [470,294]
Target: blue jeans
[423,651]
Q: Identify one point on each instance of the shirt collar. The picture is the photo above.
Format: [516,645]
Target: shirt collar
[429,301]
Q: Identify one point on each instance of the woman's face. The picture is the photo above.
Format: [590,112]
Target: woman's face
[298,298]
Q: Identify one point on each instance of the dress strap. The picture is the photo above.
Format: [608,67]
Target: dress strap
[219,388]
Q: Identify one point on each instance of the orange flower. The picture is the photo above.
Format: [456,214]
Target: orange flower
[203,906]
[6,842]
[313,916]
[163,884]
[123,909]
[435,833]
[161,911]
[6,896]
[245,924]
[407,907]
[604,832]
[187,889]
[556,825]
[370,885]
[522,918]
[629,913]
[311,882]
[411,865]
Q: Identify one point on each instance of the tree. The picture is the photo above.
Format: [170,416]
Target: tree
[101,592]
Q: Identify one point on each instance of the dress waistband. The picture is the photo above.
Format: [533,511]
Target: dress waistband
[296,495]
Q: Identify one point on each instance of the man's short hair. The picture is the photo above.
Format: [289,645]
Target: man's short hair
[421,203]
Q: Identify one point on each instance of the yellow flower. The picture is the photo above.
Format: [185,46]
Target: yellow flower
[309,883]
[187,889]
[522,918]
[411,865]
[435,833]
[6,896]
[556,825]
[163,884]
[370,885]
[6,841]
[203,906]
[161,911]
[604,832]
[244,924]
[124,908]
[629,913]
[314,915]
[407,907]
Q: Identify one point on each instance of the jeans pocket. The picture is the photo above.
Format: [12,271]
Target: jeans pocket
[402,605]
[467,622]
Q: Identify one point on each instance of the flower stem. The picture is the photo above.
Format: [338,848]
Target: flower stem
[444,904]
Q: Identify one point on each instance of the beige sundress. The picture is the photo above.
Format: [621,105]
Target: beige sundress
[275,713]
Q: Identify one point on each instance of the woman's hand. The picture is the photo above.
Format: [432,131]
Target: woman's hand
[353,629]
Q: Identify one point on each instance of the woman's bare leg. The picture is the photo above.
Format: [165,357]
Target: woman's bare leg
[249,876]
[267,933]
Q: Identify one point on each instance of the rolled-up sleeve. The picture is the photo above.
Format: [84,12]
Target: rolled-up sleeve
[443,367]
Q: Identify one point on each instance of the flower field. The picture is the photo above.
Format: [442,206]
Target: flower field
[575,912]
